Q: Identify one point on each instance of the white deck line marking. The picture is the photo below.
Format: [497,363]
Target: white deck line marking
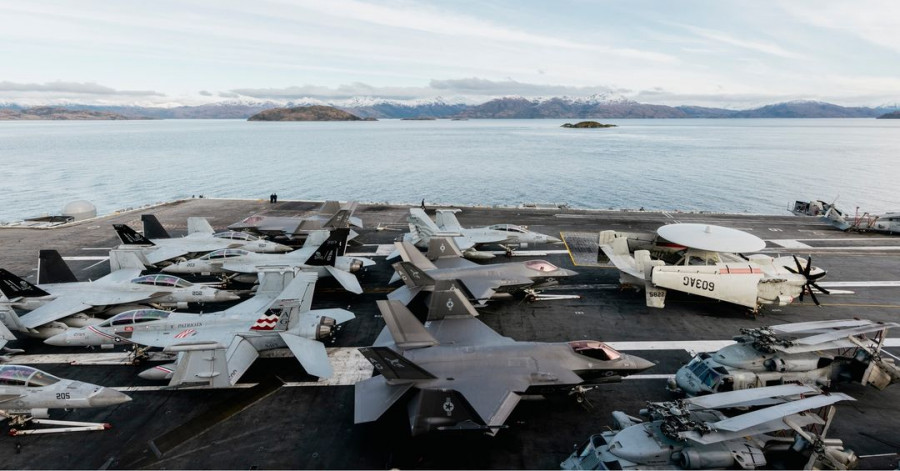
[858,284]
[349,357]
[648,377]
[790,243]
[849,249]
[86,257]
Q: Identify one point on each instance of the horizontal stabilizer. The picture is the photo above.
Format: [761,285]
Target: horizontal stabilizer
[53,269]
[55,310]
[153,229]
[406,330]
[411,254]
[374,396]
[310,353]
[404,294]
[393,366]
[347,280]
[14,287]
[446,220]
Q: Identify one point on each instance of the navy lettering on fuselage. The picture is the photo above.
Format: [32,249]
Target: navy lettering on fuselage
[692,282]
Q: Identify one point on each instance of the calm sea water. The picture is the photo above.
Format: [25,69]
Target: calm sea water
[717,165]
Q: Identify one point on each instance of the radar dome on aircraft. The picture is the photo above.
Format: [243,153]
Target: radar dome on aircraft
[80,209]
[711,238]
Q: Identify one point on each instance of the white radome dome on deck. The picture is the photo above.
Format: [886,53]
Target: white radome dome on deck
[80,209]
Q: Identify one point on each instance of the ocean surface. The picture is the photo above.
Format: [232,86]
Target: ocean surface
[735,165]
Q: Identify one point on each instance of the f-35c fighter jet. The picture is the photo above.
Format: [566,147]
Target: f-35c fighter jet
[462,375]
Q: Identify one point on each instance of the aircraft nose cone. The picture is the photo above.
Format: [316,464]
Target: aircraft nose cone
[641,364]
[58,340]
[567,272]
[223,295]
[553,240]
[282,248]
[107,397]
[173,268]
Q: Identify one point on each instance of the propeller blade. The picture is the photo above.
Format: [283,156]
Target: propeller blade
[799,267]
[821,289]
[808,266]
[812,294]
[817,275]
[791,270]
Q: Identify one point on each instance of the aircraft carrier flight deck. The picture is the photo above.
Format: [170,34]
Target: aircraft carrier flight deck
[279,417]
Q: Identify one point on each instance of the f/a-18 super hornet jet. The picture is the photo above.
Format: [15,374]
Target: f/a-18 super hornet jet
[820,352]
[786,428]
[59,296]
[323,253]
[419,273]
[460,374]
[27,393]
[332,215]
[215,349]
[158,246]
[709,262]
[422,229]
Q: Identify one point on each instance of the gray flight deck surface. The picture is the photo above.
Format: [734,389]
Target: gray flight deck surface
[300,426]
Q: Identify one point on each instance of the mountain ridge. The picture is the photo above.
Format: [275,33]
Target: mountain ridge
[600,106]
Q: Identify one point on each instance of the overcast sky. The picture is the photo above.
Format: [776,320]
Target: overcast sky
[734,54]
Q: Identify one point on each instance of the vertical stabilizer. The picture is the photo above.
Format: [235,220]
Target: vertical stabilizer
[53,269]
[412,276]
[446,220]
[448,300]
[14,287]
[153,229]
[129,236]
[197,225]
[328,252]
[442,247]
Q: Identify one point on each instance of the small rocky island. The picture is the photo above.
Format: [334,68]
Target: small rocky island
[306,113]
[891,115]
[58,114]
[588,125]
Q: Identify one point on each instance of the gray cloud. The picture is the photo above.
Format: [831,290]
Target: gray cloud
[455,87]
[340,92]
[205,93]
[78,88]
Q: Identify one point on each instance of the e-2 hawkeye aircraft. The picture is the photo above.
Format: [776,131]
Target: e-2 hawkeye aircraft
[157,246]
[27,393]
[215,349]
[819,352]
[462,375]
[786,426]
[60,300]
[709,263]
[483,282]
[322,253]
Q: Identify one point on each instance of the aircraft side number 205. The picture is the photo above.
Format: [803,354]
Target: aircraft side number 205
[699,284]
[62,396]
